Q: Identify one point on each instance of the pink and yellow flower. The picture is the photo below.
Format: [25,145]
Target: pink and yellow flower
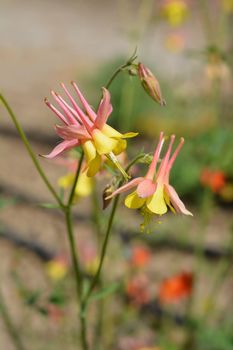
[88,130]
[153,191]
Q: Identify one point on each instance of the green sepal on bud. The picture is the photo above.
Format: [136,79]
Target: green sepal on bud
[150,84]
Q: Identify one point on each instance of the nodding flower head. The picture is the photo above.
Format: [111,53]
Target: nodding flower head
[153,192]
[87,129]
[150,84]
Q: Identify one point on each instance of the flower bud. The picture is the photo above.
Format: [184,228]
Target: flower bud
[150,84]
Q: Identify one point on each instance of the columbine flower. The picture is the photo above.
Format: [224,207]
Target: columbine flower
[88,130]
[150,84]
[175,288]
[154,193]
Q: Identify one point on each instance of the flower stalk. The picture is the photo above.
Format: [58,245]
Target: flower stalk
[30,152]
[10,327]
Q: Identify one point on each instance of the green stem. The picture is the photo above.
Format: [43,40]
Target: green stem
[121,68]
[30,151]
[103,252]
[83,327]
[78,276]
[9,325]
[75,261]
[107,235]
[74,255]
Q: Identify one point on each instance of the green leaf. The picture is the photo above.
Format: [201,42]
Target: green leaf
[6,202]
[49,206]
[31,298]
[57,298]
[104,292]
[42,310]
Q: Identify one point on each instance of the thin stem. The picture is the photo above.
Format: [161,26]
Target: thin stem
[30,151]
[121,68]
[78,276]
[72,192]
[9,325]
[75,261]
[83,328]
[105,243]
[107,235]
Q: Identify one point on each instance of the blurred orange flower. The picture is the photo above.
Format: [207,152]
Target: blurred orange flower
[176,287]
[175,42]
[214,179]
[55,313]
[141,255]
[137,290]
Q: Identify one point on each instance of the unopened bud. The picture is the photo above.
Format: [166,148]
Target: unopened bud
[150,84]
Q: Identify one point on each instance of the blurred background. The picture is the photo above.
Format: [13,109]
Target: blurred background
[174,286]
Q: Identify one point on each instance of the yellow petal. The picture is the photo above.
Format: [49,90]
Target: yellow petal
[66,180]
[156,202]
[84,185]
[111,132]
[89,151]
[168,202]
[120,147]
[103,143]
[129,135]
[94,166]
[132,201]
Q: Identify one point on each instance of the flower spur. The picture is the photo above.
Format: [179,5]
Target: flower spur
[88,130]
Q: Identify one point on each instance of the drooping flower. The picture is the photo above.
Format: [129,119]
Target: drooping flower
[87,129]
[153,192]
[175,288]
[150,84]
